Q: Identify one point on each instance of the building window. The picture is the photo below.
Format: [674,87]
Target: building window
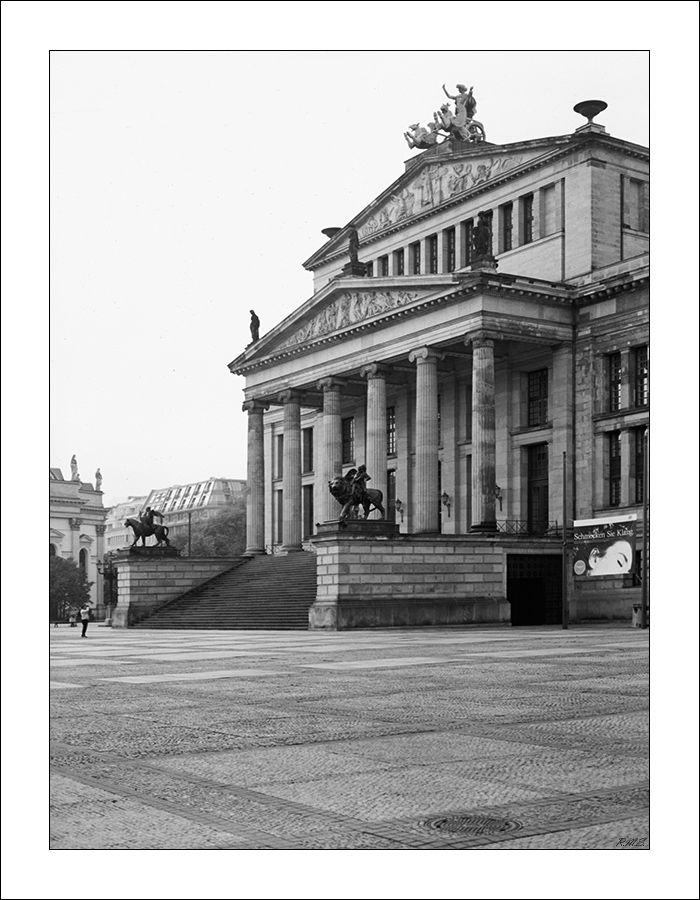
[547,210]
[307,454]
[414,251]
[641,376]
[369,268]
[83,557]
[433,254]
[526,219]
[639,464]
[307,511]
[538,488]
[537,394]
[468,413]
[52,549]
[466,241]
[614,381]
[450,245]
[383,265]
[348,440]
[279,461]
[391,495]
[279,515]
[391,430]
[506,235]
[634,205]
[614,468]
[398,262]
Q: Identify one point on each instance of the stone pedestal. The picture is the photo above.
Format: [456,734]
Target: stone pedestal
[354,269]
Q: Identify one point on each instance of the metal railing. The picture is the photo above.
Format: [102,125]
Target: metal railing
[523,528]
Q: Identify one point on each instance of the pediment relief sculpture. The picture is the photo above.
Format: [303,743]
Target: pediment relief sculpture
[436,184]
[347,309]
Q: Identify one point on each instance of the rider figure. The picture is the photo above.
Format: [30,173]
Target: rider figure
[147,516]
[359,483]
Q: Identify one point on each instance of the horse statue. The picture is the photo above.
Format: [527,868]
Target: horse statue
[144,528]
[422,138]
[354,496]
[460,127]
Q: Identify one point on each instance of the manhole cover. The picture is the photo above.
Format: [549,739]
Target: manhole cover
[475,825]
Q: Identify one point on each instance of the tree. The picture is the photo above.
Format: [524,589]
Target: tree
[222,535]
[68,586]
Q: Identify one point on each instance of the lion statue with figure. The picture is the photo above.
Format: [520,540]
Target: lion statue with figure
[351,492]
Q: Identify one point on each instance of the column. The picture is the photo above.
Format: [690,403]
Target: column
[75,538]
[255,501]
[291,476]
[483,436]
[375,454]
[425,494]
[332,451]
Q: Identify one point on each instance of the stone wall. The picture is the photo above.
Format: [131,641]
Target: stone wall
[144,584]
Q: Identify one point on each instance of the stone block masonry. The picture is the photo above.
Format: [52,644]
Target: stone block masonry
[144,584]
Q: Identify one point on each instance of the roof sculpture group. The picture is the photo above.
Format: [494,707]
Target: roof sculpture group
[459,125]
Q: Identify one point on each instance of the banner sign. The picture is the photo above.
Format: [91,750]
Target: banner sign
[604,546]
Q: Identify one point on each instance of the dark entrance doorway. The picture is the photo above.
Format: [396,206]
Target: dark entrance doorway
[533,589]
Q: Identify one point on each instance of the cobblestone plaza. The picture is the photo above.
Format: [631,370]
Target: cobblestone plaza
[468,738]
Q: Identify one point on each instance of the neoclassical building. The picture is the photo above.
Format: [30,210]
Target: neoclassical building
[483,317]
[77,524]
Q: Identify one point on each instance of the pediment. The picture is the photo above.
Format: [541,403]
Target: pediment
[337,310]
[56,535]
[86,539]
[435,179]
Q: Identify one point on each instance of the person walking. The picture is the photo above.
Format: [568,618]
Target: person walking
[85,617]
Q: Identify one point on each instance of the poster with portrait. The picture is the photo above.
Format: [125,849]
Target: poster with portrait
[604,546]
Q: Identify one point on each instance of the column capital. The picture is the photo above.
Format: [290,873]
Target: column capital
[100,529]
[289,396]
[375,370]
[331,384]
[75,524]
[425,354]
[481,339]
[254,406]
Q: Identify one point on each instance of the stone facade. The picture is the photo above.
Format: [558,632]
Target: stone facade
[462,382]
[77,527]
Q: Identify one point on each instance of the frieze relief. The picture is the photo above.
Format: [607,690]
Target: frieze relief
[436,184]
[350,307]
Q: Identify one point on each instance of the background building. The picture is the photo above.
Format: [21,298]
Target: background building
[77,524]
[483,316]
[182,505]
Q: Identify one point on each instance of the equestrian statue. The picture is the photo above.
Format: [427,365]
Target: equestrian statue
[352,492]
[144,527]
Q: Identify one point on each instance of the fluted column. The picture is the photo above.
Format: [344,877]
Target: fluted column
[483,435]
[291,476]
[75,538]
[255,502]
[425,493]
[375,454]
[332,453]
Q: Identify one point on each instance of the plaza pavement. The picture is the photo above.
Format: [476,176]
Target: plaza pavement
[492,738]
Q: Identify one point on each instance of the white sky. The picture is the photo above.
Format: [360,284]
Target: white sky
[188,188]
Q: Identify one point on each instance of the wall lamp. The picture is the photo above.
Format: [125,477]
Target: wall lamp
[446,502]
[498,494]
[398,506]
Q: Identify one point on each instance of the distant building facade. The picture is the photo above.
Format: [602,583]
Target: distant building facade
[77,524]
[182,505]
[483,316]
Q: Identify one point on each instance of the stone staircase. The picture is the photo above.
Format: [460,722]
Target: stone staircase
[259,592]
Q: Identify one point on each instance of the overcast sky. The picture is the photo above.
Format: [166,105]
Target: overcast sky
[188,187]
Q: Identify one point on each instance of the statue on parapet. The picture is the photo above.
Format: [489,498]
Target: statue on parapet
[481,237]
[74,469]
[353,493]
[254,327]
[354,267]
[461,125]
[423,138]
[98,480]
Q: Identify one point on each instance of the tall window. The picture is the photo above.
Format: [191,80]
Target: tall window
[369,269]
[307,455]
[398,262]
[506,227]
[641,376]
[615,468]
[466,239]
[390,505]
[414,250]
[83,557]
[537,393]
[450,244]
[279,516]
[391,431]
[279,467]
[468,413]
[383,265]
[307,504]
[433,254]
[538,488]
[615,381]
[639,463]
[526,219]
[348,440]
[547,210]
